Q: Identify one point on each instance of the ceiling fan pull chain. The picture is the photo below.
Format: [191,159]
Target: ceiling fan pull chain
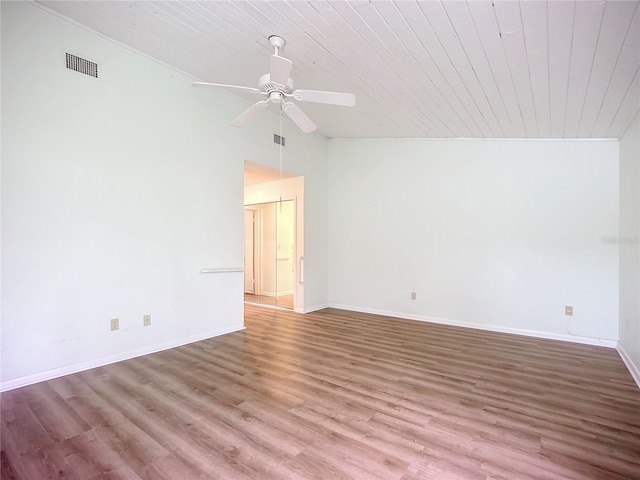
[280,155]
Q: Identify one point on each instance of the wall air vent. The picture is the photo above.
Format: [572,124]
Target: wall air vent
[81,65]
[278,139]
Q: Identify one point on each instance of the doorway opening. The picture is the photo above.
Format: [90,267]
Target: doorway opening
[273,238]
[269,273]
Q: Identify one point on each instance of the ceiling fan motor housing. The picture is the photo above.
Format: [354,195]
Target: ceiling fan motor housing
[267,86]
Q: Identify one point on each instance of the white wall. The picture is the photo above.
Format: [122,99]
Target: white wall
[115,193]
[630,247]
[499,234]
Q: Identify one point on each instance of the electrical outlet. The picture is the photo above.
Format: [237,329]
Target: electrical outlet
[413,295]
[115,324]
[146,320]
[568,310]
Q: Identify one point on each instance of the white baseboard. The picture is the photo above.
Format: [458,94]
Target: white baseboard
[119,357]
[634,369]
[274,295]
[481,326]
[314,309]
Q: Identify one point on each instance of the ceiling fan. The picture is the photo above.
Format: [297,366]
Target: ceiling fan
[277,87]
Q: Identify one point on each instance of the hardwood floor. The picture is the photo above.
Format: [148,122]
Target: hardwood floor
[283,301]
[334,395]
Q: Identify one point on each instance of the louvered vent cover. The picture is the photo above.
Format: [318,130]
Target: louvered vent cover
[81,65]
[278,139]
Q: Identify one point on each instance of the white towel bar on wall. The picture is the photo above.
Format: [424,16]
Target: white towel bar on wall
[221,270]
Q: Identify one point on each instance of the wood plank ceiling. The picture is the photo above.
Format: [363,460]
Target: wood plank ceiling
[439,69]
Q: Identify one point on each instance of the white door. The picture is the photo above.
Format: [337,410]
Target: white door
[249,260]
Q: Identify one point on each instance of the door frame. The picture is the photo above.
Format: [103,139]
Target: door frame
[286,189]
[258,254]
[254,262]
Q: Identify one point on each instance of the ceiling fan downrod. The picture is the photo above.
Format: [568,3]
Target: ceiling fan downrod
[277,43]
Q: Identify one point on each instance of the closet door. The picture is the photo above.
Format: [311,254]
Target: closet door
[285,253]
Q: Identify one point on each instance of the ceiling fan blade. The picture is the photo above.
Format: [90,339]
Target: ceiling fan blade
[246,116]
[236,87]
[303,122]
[332,98]
[280,69]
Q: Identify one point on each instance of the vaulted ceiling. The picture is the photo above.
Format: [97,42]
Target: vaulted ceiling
[450,69]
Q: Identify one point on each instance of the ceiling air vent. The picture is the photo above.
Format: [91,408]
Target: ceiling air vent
[82,65]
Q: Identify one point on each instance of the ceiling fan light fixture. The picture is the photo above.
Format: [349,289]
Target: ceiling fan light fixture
[275,97]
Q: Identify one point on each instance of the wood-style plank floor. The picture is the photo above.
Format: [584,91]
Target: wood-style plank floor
[334,395]
[283,301]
